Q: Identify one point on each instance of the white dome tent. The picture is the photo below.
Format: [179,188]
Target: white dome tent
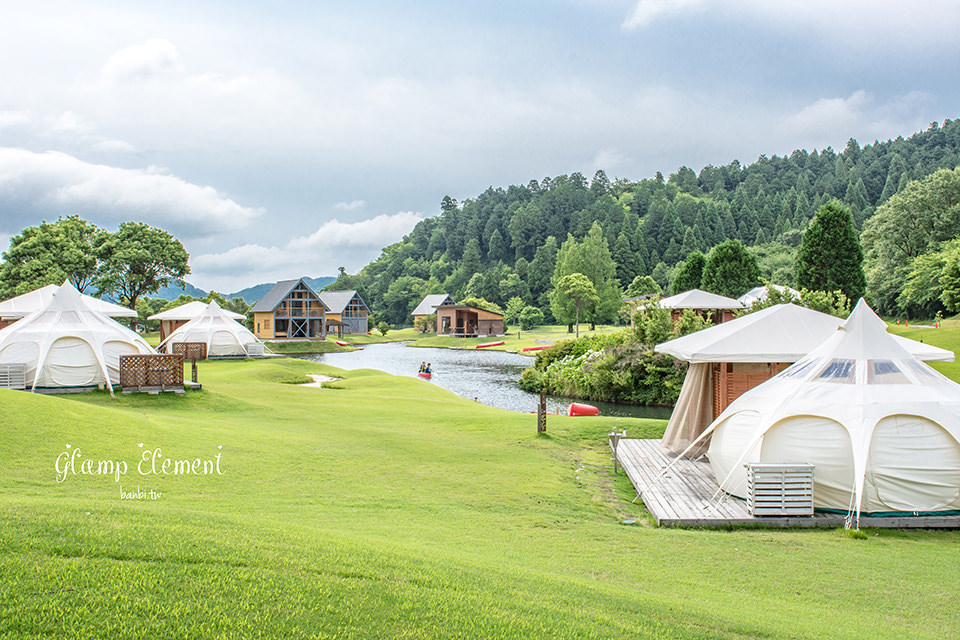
[67,343]
[23,305]
[223,335]
[881,428]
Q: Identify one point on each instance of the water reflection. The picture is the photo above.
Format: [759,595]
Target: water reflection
[489,377]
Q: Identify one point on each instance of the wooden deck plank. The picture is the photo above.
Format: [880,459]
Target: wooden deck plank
[684,496]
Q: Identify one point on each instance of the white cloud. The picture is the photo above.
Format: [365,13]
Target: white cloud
[151,59]
[375,232]
[829,115]
[333,244]
[52,184]
[14,118]
[349,206]
[646,11]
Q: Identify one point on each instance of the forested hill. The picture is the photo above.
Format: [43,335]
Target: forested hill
[504,242]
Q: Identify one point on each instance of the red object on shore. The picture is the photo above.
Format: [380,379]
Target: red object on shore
[577,409]
[489,344]
[424,374]
[342,344]
[537,348]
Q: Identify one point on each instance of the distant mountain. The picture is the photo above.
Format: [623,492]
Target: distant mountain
[174,292]
[254,293]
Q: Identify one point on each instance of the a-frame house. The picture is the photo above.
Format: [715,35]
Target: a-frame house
[291,309]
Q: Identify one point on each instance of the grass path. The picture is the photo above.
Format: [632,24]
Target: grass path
[386,507]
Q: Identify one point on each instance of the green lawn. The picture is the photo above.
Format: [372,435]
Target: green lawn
[385,507]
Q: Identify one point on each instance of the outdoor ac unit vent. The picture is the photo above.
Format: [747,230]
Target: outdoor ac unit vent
[778,489]
[13,376]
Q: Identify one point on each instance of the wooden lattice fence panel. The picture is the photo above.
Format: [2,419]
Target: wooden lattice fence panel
[151,370]
[190,350]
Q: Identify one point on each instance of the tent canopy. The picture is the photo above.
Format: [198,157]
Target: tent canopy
[191,310]
[67,343]
[782,333]
[698,299]
[24,305]
[881,427]
[223,335]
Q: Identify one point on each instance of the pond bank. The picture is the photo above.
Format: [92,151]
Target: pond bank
[489,377]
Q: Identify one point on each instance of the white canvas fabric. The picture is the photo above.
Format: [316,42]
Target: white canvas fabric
[223,335]
[191,310]
[67,343]
[699,299]
[781,333]
[881,428]
[23,305]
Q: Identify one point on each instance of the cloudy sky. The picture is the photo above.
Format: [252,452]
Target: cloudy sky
[293,137]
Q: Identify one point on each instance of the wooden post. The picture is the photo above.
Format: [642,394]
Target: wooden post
[614,441]
[542,413]
[193,372]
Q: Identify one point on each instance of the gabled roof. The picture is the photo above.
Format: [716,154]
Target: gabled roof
[24,305]
[189,311]
[781,333]
[429,302]
[697,299]
[468,307]
[337,301]
[277,293]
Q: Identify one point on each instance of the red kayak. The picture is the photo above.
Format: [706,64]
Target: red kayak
[489,344]
[424,374]
[577,409]
[341,343]
[537,348]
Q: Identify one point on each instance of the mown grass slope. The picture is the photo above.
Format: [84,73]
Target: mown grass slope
[385,507]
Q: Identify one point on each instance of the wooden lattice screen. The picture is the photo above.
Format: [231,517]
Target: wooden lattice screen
[151,370]
[190,350]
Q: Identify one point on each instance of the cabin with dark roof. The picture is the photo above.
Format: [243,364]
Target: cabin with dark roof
[346,311]
[290,310]
[464,321]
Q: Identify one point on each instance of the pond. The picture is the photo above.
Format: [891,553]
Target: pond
[489,377]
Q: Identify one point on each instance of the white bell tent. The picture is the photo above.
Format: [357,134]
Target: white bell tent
[881,428]
[754,347]
[223,335]
[67,343]
[23,305]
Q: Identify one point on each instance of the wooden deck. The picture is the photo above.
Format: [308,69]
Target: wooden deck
[684,497]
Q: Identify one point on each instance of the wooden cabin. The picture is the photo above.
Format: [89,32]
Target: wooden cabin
[428,306]
[346,312]
[463,321]
[290,310]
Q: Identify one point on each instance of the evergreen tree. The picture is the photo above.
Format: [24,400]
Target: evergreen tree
[730,270]
[690,275]
[830,257]
[624,257]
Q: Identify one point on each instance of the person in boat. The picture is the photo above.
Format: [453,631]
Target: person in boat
[428,369]
[423,367]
